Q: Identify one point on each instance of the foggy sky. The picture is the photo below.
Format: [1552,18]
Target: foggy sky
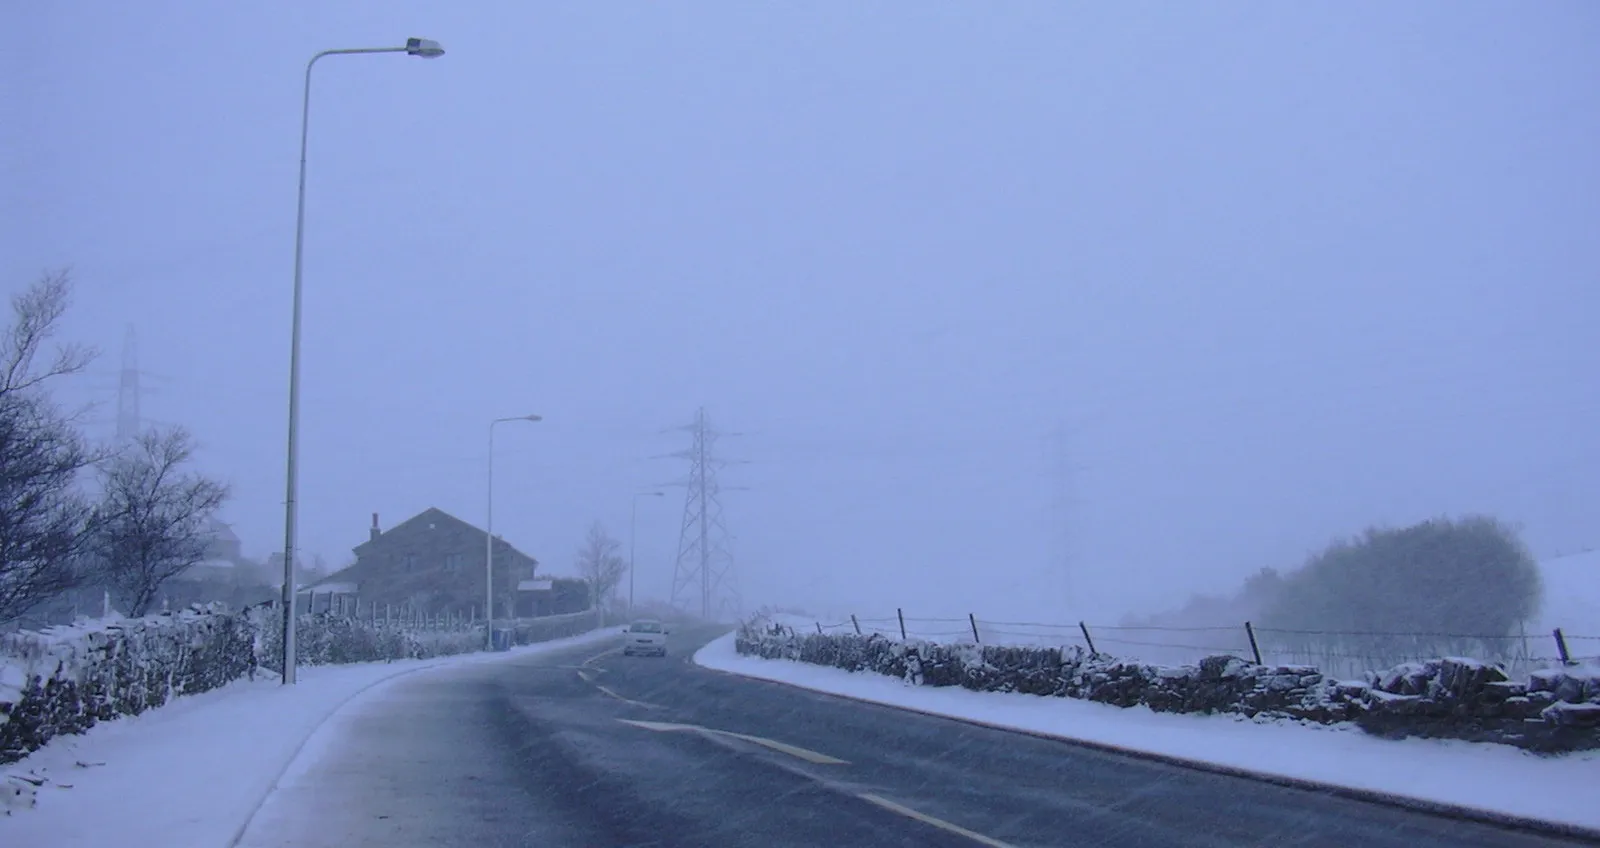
[1278,271]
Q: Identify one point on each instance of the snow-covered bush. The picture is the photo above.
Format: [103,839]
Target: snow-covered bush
[335,640]
[1557,709]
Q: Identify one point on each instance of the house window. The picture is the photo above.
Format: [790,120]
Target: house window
[409,562]
[453,562]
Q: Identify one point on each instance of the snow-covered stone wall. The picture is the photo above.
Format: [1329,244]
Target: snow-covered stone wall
[66,679]
[1556,710]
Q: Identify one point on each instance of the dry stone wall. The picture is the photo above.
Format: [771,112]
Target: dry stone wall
[1555,710]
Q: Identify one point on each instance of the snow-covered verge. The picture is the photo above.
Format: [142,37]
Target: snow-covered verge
[1555,710]
[1498,779]
[65,680]
[193,772]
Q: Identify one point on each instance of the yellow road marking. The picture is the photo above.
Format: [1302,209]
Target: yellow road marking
[791,750]
[627,700]
[930,820]
[660,726]
[783,747]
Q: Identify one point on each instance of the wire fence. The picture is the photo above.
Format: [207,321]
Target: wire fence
[1335,653]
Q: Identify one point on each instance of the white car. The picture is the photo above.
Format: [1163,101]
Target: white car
[645,636]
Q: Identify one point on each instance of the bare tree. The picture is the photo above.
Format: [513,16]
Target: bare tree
[42,514]
[36,312]
[600,563]
[153,518]
[43,517]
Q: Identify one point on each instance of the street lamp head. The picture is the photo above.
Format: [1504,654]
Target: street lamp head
[427,48]
[532,417]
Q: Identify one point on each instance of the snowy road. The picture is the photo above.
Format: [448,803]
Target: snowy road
[593,749]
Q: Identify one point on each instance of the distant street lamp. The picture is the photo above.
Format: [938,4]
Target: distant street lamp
[488,533]
[427,49]
[633,520]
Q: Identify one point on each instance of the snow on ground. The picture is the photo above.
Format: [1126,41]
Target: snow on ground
[1489,777]
[192,772]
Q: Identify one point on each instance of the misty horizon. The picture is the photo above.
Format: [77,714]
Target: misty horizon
[1264,279]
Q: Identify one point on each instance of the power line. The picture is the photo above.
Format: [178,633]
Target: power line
[128,390]
[704,566]
[1061,470]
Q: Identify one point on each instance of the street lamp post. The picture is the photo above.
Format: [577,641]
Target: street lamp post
[633,519]
[488,533]
[413,47]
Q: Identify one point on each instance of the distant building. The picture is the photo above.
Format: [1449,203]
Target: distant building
[224,543]
[213,571]
[432,563]
[551,596]
[224,560]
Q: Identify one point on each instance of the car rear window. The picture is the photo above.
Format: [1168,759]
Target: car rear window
[646,627]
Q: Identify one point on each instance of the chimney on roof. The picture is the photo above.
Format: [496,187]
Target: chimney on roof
[375,531]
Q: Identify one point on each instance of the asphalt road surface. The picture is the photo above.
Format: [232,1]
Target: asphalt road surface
[597,750]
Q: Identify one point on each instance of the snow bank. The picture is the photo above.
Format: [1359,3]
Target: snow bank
[1557,710]
[1494,778]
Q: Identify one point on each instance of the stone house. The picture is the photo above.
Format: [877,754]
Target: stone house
[432,562]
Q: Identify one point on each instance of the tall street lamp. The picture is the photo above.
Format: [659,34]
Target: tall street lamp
[633,519]
[488,533]
[427,49]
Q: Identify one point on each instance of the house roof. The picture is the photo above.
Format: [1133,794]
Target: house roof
[434,514]
[352,573]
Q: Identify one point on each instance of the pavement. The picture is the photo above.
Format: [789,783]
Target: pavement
[595,750]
